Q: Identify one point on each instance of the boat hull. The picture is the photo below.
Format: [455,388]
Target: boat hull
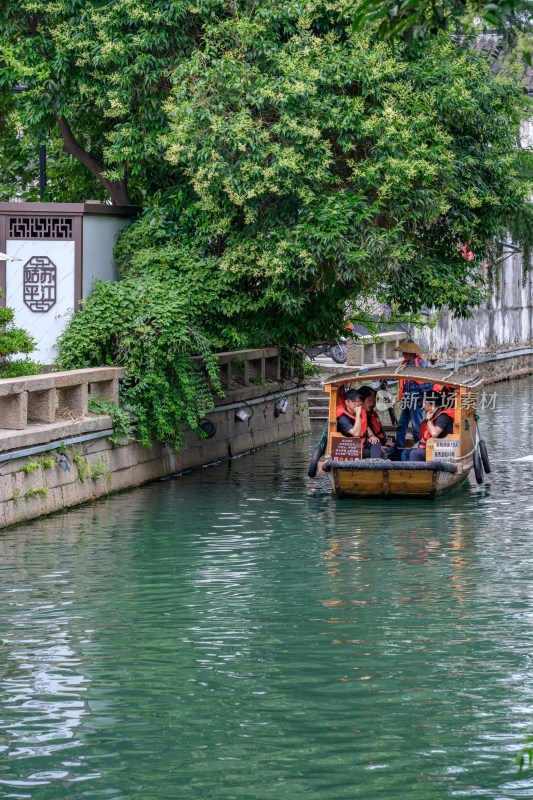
[394,483]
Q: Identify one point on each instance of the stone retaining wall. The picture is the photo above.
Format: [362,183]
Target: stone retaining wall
[96,468]
[500,369]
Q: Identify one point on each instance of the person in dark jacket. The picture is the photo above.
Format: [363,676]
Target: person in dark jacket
[375,443]
[349,414]
[438,423]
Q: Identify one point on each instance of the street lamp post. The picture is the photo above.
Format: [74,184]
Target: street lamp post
[42,152]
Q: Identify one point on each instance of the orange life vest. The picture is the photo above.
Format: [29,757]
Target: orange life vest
[375,425]
[341,409]
[424,432]
[375,422]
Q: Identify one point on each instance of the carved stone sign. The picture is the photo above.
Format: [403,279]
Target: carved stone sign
[346,449]
[40,284]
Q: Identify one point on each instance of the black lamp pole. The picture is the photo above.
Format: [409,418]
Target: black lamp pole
[42,171]
[42,153]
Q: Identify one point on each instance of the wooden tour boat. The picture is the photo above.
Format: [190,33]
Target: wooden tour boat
[448,460]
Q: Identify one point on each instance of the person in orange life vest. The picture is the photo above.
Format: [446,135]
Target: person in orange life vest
[411,393]
[438,423]
[349,414]
[375,443]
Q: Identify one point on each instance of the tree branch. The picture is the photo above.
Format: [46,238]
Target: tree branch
[117,189]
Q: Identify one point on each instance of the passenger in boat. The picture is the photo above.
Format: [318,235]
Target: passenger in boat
[349,414]
[375,443]
[438,423]
[411,393]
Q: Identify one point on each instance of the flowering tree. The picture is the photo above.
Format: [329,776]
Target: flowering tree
[299,165]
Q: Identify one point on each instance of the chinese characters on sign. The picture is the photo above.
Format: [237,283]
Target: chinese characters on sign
[40,284]
[445,449]
[348,449]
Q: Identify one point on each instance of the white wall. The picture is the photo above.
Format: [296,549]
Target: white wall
[504,321]
[44,326]
[100,233]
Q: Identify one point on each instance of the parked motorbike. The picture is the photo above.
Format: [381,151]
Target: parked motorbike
[336,351]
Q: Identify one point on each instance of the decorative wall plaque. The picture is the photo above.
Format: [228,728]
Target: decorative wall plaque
[40,284]
[346,449]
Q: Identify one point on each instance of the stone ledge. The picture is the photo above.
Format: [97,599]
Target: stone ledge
[74,377]
[35,435]
[247,355]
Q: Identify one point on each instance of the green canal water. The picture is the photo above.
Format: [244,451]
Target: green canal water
[239,633]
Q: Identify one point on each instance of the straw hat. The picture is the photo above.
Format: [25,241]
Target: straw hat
[409,347]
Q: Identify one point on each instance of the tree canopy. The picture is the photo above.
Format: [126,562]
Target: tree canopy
[300,164]
[413,20]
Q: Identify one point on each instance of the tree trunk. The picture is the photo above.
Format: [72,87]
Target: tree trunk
[117,189]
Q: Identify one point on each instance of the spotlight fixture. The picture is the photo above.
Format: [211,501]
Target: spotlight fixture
[5,257]
[242,415]
[208,427]
[281,406]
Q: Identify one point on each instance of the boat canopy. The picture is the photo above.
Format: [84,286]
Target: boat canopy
[446,377]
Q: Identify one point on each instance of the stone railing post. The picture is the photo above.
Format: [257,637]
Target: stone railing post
[74,400]
[105,390]
[35,399]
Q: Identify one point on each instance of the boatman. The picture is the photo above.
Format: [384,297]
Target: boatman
[412,393]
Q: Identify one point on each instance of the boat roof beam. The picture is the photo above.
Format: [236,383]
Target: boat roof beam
[445,377]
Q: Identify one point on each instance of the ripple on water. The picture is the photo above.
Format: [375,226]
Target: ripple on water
[239,633]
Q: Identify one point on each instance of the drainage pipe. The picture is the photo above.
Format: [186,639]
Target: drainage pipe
[257,400]
[43,448]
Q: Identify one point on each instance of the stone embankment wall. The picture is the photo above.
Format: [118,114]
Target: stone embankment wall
[61,456]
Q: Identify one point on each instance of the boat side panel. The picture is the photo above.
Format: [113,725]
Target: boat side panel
[355,483]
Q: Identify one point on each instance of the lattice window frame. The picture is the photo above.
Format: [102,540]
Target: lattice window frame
[59,228]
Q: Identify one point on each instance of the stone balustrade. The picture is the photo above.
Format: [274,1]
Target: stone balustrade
[246,367]
[55,396]
[366,352]
[59,398]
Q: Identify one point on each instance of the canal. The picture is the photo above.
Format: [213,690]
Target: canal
[240,633]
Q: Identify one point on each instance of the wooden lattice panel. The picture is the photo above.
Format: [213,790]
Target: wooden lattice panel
[33,227]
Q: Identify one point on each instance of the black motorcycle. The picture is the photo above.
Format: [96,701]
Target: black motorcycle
[336,351]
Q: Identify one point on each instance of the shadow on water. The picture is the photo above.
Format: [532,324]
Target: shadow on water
[239,633]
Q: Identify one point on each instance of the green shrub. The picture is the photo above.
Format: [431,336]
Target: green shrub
[84,471]
[153,323]
[123,428]
[98,469]
[14,340]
